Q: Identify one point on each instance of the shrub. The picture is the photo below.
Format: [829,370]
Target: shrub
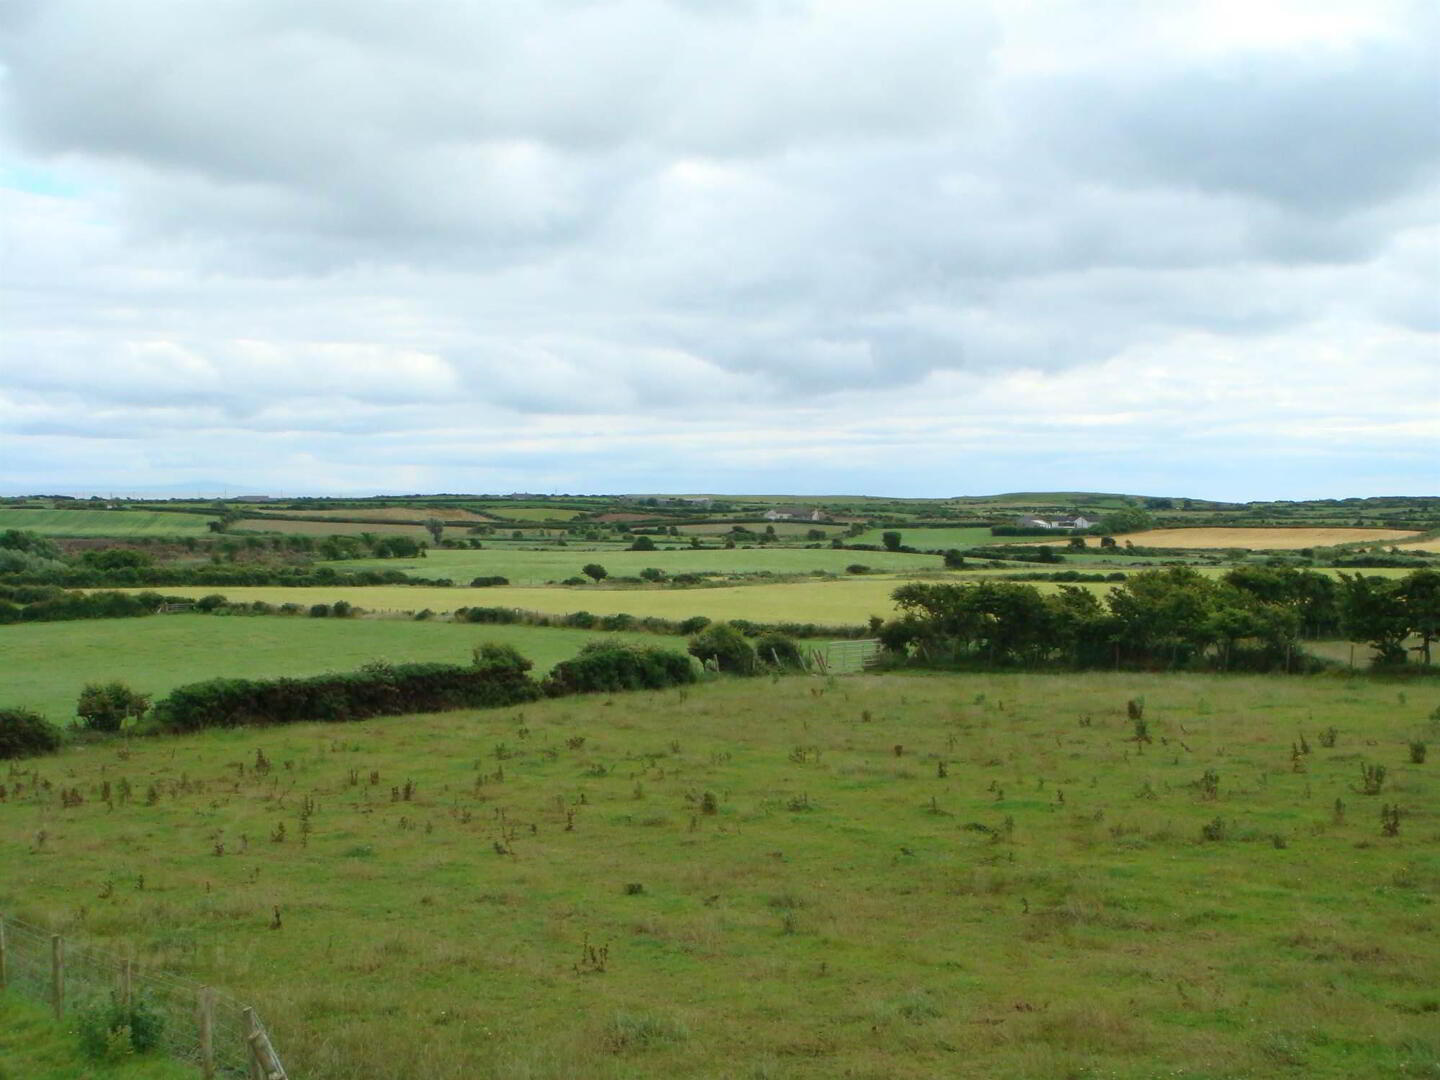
[488,582]
[319,611]
[594,571]
[209,603]
[693,625]
[607,666]
[24,733]
[112,1029]
[106,706]
[725,645]
[498,657]
[779,651]
[857,568]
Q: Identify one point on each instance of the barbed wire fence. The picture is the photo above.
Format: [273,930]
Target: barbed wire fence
[219,1036]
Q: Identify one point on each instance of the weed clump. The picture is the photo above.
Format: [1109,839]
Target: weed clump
[113,1029]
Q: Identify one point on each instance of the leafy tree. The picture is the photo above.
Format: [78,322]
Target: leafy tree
[106,706]
[594,571]
[954,560]
[1373,611]
[891,540]
[652,573]
[1128,520]
[643,543]
[1420,594]
[436,528]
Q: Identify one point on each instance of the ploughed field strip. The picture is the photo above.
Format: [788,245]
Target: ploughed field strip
[1037,876]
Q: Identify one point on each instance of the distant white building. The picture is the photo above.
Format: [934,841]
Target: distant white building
[1079,521]
[796,513]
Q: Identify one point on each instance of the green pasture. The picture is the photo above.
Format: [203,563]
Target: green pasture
[530,513]
[47,664]
[933,539]
[117,523]
[556,564]
[880,876]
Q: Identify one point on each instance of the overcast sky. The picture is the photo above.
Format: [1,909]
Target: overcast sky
[910,247]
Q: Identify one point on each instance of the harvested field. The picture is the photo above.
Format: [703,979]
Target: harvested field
[1256,539]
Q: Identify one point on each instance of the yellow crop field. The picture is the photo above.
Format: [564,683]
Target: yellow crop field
[1433,544]
[838,603]
[1255,539]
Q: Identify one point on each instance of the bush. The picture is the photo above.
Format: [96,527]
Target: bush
[779,651]
[106,706]
[488,582]
[498,657]
[111,1029]
[319,611]
[25,733]
[857,568]
[605,666]
[725,646]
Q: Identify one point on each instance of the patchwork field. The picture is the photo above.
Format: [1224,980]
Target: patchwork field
[119,523]
[877,877]
[47,664]
[328,528]
[1255,539]
[556,564]
[415,515]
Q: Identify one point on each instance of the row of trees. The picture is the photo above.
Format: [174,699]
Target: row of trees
[1176,617]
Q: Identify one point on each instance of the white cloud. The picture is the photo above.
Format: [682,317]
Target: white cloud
[654,245]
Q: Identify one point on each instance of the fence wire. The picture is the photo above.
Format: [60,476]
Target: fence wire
[91,976]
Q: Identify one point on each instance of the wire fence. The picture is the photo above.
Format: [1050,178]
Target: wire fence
[219,1036]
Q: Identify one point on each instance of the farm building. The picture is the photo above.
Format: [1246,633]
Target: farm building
[1076,522]
[796,513]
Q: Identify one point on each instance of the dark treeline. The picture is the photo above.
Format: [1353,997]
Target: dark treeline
[94,577]
[650,624]
[1253,618]
[49,603]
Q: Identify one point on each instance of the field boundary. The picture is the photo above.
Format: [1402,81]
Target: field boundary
[219,1036]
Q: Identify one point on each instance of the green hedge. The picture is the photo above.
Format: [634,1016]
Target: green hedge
[377,690]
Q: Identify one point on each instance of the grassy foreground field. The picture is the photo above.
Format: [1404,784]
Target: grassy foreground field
[47,664]
[556,564]
[874,877]
[117,523]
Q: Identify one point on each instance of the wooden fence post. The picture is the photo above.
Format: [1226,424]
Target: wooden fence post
[126,982]
[57,975]
[207,1032]
[4,958]
[252,1034]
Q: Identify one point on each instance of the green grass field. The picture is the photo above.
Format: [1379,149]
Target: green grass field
[557,564]
[47,664]
[872,877]
[117,523]
[932,539]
